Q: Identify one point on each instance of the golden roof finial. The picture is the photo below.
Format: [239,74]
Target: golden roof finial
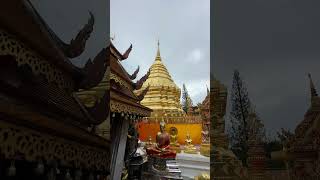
[158,57]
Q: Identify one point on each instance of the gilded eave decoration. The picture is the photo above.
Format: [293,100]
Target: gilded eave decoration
[120,107]
[10,45]
[119,80]
[34,145]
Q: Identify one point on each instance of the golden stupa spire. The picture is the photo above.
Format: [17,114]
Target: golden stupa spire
[158,57]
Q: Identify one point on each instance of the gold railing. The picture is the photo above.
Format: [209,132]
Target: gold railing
[174,120]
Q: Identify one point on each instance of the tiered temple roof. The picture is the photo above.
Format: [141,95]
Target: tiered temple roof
[42,119]
[123,100]
[302,148]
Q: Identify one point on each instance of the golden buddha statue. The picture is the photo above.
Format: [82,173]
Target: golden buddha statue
[150,140]
[162,147]
[189,147]
[149,143]
[174,139]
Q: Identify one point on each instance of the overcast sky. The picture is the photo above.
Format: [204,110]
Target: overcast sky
[183,29]
[274,44]
[67,17]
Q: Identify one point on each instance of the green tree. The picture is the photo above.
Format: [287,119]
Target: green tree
[239,113]
[186,100]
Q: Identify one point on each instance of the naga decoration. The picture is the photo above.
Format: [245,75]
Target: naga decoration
[140,82]
[134,75]
[95,70]
[143,93]
[126,54]
[77,45]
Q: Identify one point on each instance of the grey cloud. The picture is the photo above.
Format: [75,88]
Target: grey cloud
[181,26]
[67,17]
[274,44]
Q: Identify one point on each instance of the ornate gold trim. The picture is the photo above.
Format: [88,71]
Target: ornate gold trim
[120,81]
[174,120]
[128,109]
[34,145]
[10,45]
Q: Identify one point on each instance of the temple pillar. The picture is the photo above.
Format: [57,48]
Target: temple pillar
[119,133]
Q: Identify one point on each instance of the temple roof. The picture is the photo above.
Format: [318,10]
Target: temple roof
[306,129]
[32,51]
[21,23]
[218,97]
[21,18]
[38,84]
[117,80]
[217,84]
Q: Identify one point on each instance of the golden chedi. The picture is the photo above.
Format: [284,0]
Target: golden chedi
[163,96]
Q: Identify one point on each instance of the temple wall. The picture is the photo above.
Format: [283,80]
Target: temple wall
[151,129]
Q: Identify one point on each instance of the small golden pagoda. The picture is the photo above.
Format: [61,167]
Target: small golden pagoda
[163,96]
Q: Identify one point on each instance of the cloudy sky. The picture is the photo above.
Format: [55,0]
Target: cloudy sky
[274,44]
[67,17]
[183,29]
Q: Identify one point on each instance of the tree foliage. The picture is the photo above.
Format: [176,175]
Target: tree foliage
[186,100]
[239,131]
[256,128]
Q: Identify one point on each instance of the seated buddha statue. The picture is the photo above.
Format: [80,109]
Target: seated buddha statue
[162,146]
[189,147]
[174,136]
[174,139]
[149,143]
